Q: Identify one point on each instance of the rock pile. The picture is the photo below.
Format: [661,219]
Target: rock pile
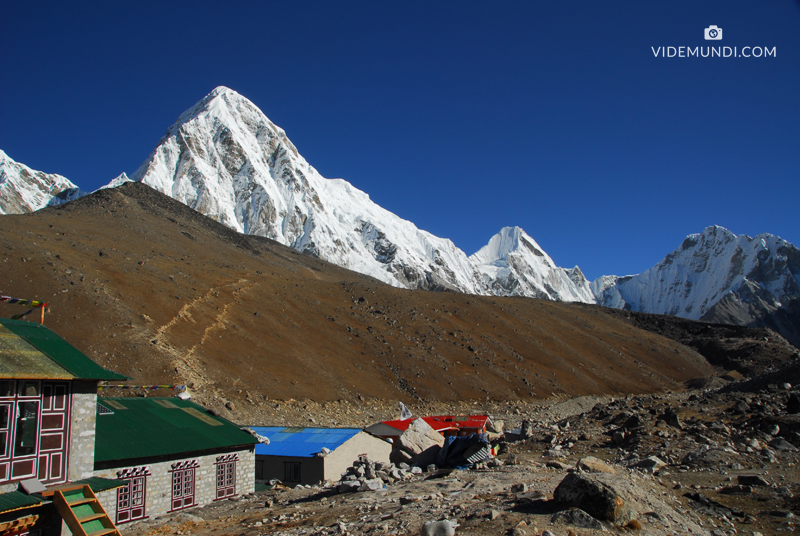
[367,475]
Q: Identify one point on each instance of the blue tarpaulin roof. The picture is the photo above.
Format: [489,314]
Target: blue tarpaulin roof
[303,442]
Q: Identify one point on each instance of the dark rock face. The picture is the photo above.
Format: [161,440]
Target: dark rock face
[595,494]
[747,350]
[577,518]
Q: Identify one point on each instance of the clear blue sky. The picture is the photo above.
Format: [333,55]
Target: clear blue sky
[460,116]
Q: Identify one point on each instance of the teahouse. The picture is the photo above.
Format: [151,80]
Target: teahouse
[64,454]
[312,455]
[48,400]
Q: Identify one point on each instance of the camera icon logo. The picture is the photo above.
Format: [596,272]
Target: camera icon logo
[713,33]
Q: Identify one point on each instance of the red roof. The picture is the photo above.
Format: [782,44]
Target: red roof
[442,423]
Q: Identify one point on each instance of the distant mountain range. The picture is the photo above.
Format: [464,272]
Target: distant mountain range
[224,158]
[717,276]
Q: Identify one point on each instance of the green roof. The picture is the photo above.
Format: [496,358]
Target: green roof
[141,428]
[31,351]
[99,484]
[16,500]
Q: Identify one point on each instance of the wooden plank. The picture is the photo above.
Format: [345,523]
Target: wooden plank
[97,515]
[103,532]
[79,502]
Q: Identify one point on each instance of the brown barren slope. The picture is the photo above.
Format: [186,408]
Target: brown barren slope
[152,289]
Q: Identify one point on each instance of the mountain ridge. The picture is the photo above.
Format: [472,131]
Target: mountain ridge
[717,276]
[155,290]
[224,158]
[23,189]
[268,189]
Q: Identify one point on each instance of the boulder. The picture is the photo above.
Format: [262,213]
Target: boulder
[348,486]
[650,464]
[371,485]
[590,464]
[671,418]
[421,442]
[595,494]
[526,430]
[781,444]
[736,490]
[752,480]
[577,518]
[398,456]
[496,427]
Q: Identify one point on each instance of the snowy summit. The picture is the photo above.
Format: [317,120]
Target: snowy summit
[226,159]
[24,190]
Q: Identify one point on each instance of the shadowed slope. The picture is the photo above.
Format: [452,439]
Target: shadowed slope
[152,289]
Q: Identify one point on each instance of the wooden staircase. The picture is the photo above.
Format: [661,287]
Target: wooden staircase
[83,513]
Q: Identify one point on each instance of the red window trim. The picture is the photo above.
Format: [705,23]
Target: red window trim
[132,474]
[183,467]
[225,461]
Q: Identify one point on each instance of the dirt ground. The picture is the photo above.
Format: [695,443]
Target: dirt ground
[705,451]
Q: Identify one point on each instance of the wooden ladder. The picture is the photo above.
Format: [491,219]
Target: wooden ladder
[83,513]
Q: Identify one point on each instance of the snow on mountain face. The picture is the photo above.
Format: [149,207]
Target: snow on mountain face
[23,189]
[707,268]
[225,159]
[513,264]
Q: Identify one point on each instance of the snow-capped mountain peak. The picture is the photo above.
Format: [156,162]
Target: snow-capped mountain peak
[707,269]
[507,241]
[513,264]
[23,189]
[226,159]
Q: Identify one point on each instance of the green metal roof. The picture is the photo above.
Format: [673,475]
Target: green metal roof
[99,484]
[32,351]
[16,500]
[160,427]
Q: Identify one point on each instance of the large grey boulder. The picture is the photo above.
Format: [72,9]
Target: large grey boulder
[374,484]
[650,464]
[349,486]
[597,494]
[577,518]
[590,464]
[420,442]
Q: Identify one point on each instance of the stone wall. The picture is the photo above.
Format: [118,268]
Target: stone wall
[82,430]
[158,496]
[339,460]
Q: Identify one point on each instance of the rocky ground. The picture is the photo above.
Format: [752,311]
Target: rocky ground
[715,461]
